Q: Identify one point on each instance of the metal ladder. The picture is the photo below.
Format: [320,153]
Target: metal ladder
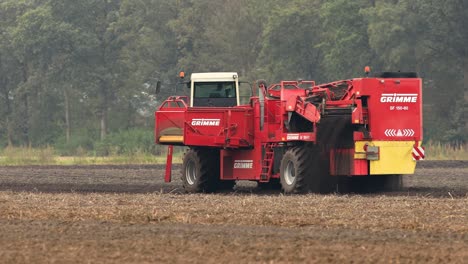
[267,162]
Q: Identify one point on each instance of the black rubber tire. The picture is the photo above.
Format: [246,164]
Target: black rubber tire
[200,170]
[296,170]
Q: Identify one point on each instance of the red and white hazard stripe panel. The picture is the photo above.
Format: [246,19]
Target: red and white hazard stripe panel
[418,153]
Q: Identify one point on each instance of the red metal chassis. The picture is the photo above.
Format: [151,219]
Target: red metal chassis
[382,109]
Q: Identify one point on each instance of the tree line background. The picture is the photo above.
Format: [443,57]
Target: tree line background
[81,74]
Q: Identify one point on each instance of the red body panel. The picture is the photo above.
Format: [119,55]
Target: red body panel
[395,108]
[241,164]
[219,127]
[170,118]
[342,162]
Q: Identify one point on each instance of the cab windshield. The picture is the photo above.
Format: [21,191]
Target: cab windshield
[215,90]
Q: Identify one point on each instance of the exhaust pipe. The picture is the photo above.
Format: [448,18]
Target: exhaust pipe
[261,96]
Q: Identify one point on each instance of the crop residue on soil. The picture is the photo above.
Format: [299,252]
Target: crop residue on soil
[127,214]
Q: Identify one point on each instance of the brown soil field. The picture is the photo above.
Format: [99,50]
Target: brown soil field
[126,214]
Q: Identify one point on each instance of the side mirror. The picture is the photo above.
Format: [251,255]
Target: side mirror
[158,87]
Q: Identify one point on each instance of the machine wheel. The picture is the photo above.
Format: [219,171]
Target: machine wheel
[200,170]
[295,169]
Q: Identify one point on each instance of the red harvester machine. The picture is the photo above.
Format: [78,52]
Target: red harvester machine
[353,135]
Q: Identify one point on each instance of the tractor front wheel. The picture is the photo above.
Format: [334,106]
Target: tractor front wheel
[200,170]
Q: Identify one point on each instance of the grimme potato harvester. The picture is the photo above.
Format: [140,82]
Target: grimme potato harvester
[360,134]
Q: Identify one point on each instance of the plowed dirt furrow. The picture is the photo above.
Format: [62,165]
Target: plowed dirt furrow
[127,214]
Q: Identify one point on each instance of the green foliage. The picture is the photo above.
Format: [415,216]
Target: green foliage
[397,33]
[438,151]
[345,40]
[80,75]
[27,156]
[79,145]
[289,44]
[128,142]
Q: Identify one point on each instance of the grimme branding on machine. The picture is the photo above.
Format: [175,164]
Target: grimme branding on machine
[297,137]
[243,164]
[292,137]
[205,122]
[399,98]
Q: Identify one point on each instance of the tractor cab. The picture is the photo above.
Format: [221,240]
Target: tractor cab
[214,89]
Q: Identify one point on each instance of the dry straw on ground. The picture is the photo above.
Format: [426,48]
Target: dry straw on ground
[128,215]
[330,211]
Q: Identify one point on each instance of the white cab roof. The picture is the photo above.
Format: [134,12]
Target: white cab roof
[214,76]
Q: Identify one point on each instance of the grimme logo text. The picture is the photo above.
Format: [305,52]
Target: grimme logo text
[205,122]
[399,98]
[243,164]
